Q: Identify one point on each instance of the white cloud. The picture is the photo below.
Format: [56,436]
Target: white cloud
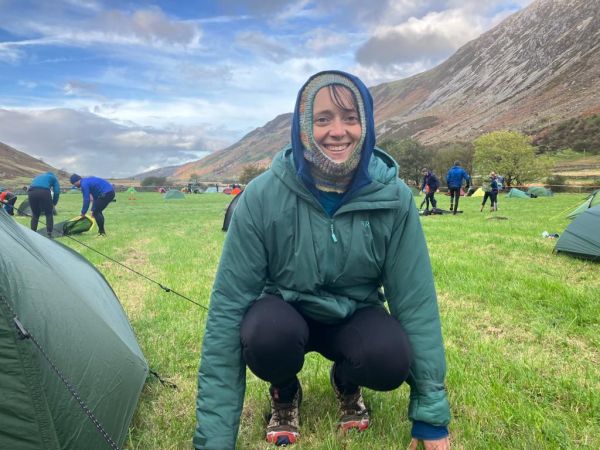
[322,40]
[89,144]
[143,27]
[27,84]
[430,38]
[263,45]
[149,26]
[9,53]
[77,87]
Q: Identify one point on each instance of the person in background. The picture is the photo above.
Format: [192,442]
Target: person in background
[102,193]
[490,189]
[326,237]
[454,179]
[7,202]
[43,195]
[500,182]
[430,185]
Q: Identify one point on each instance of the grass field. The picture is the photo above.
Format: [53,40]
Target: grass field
[521,326]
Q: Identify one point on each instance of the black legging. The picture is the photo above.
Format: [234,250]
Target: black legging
[493,196]
[99,205]
[40,201]
[430,197]
[454,197]
[370,348]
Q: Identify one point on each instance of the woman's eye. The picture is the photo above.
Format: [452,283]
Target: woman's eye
[352,119]
[322,120]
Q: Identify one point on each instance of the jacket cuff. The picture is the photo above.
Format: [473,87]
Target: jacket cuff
[428,432]
[432,408]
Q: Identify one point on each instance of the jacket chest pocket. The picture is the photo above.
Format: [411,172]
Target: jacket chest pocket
[365,250]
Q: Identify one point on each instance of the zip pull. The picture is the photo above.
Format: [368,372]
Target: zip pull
[333,238]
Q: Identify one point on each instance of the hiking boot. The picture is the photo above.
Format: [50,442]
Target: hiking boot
[353,412]
[283,427]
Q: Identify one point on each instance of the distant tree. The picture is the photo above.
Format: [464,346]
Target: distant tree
[251,171]
[510,154]
[194,177]
[411,157]
[154,181]
[445,154]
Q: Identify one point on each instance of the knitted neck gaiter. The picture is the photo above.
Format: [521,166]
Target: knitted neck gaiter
[328,175]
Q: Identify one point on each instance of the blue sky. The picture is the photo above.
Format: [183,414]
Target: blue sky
[114,88]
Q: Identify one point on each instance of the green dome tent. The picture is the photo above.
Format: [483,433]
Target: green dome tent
[24,209]
[76,225]
[539,191]
[173,194]
[516,193]
[58,315]
[582,236]
[591,200]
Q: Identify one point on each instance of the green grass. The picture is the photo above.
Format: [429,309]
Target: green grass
[521,326]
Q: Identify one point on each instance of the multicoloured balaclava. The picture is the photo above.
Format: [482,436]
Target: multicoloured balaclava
[328,175]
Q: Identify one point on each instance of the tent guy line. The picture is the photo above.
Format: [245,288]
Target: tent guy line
[163,287]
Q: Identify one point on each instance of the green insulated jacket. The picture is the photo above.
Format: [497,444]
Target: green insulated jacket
[282,241]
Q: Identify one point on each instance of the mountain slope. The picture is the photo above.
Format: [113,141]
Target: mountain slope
[538,67]
[257,147]
[17,168]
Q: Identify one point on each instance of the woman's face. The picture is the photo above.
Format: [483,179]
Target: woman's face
[336,130]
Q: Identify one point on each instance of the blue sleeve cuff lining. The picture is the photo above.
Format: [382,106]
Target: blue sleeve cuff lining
[425,431]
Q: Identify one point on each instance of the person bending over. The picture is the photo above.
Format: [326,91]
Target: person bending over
[102,193]
[43,194]
[7,202]
[318,236]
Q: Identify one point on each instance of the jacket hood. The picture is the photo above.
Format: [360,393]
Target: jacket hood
[381,168]
[361,176]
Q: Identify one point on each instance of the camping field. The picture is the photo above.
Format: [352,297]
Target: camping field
[521,326]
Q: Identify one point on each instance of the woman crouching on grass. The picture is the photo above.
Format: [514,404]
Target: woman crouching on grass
[312,242]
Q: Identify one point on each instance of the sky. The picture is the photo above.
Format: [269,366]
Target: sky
[114,88]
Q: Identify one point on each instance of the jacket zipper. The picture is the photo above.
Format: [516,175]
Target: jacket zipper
[333,237]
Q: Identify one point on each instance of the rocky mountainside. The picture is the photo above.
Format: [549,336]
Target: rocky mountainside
[538,67]
[257,147]
[18,168]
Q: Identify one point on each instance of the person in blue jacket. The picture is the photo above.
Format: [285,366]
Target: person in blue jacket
[102,193]
[430,185]
[43,194]
[454,179]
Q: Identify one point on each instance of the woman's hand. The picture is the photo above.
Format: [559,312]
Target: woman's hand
[438,444]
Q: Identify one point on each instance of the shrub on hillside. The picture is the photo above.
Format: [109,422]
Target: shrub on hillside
[557,183]
[251,171]
[154,181]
